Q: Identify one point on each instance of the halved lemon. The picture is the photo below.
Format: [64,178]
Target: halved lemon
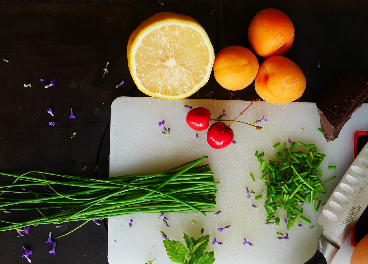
[170,56]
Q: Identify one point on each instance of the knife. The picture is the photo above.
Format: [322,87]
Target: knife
[343,209]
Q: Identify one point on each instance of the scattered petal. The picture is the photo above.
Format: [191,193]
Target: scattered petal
[269,223]
[300,225]
[20,231]
[247,243]
[71,113]
[164,236]
[216,242]
[97,221]
[285,221]
[49,241]
[233,142]
[231,95]
[319,64]
[212,11]
[27,85]
[193,222]
[5,60]
[161,215]
[254,206]
[26,253]
[284,237]
[52,251]
[223,228]
[74,133]
[189,107]
[52,83]
[248,195]
[26,230]
[160,2]
[119,84]
[303,130]
[218,212]
[222,115]
[42,80]
[202,230]
[51,123]
[58,226]
[209,94]
[50,112]
[165,131]
[289,141]
[131,223]
[83,169]
[7,212]
[150,261]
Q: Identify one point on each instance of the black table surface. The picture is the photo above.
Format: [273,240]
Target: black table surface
[71,42]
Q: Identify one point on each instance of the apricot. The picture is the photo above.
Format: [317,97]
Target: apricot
[235,67]
[279,81]
[271,33]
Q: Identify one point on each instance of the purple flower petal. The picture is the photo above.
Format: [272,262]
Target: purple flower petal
[164,236]
[289,141]
[52,251]
[71,113]
[26,230]
[51,123]
[248,196]
[7,212]
[284,237]
[223,228]
[41,80]
[222,115]
[188,106]
[52,83]
[161,215]
[50,112]
[218,212]
[231,95]
[202,230]
[26,253]
[119,84]
[49,241]
[247,243]
[130,223]
[254,206]
[96,221]
[160,2]
[216,242]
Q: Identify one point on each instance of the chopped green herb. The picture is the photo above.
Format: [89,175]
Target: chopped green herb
[332,167]
[334,177]
[320,131]
[311,227]
[251,175]
[258,197]
[291,180]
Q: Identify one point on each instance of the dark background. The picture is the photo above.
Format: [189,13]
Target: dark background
[71,41]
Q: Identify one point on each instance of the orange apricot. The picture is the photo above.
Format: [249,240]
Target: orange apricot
[279,81]
[235,67]
[271,33]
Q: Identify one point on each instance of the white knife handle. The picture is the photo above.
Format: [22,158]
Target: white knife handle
[347,202]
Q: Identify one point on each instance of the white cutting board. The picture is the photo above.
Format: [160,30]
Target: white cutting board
[138,146]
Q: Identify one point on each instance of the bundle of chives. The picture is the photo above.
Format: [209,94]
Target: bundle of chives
[185,189]
[291,181]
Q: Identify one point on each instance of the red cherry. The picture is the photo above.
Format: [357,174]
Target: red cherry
[219,135]
[198,118]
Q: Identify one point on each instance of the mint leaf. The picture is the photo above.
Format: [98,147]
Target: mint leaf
[200,246]
[176,251]
[189,242]
[206,258]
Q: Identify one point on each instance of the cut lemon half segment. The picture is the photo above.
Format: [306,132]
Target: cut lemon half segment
[170,56]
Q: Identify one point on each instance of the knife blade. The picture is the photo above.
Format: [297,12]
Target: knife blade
[344,207]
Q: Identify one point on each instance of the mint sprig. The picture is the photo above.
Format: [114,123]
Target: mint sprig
[193,254]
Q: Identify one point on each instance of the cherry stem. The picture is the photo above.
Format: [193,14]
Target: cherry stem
[254,101]
[252,125]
